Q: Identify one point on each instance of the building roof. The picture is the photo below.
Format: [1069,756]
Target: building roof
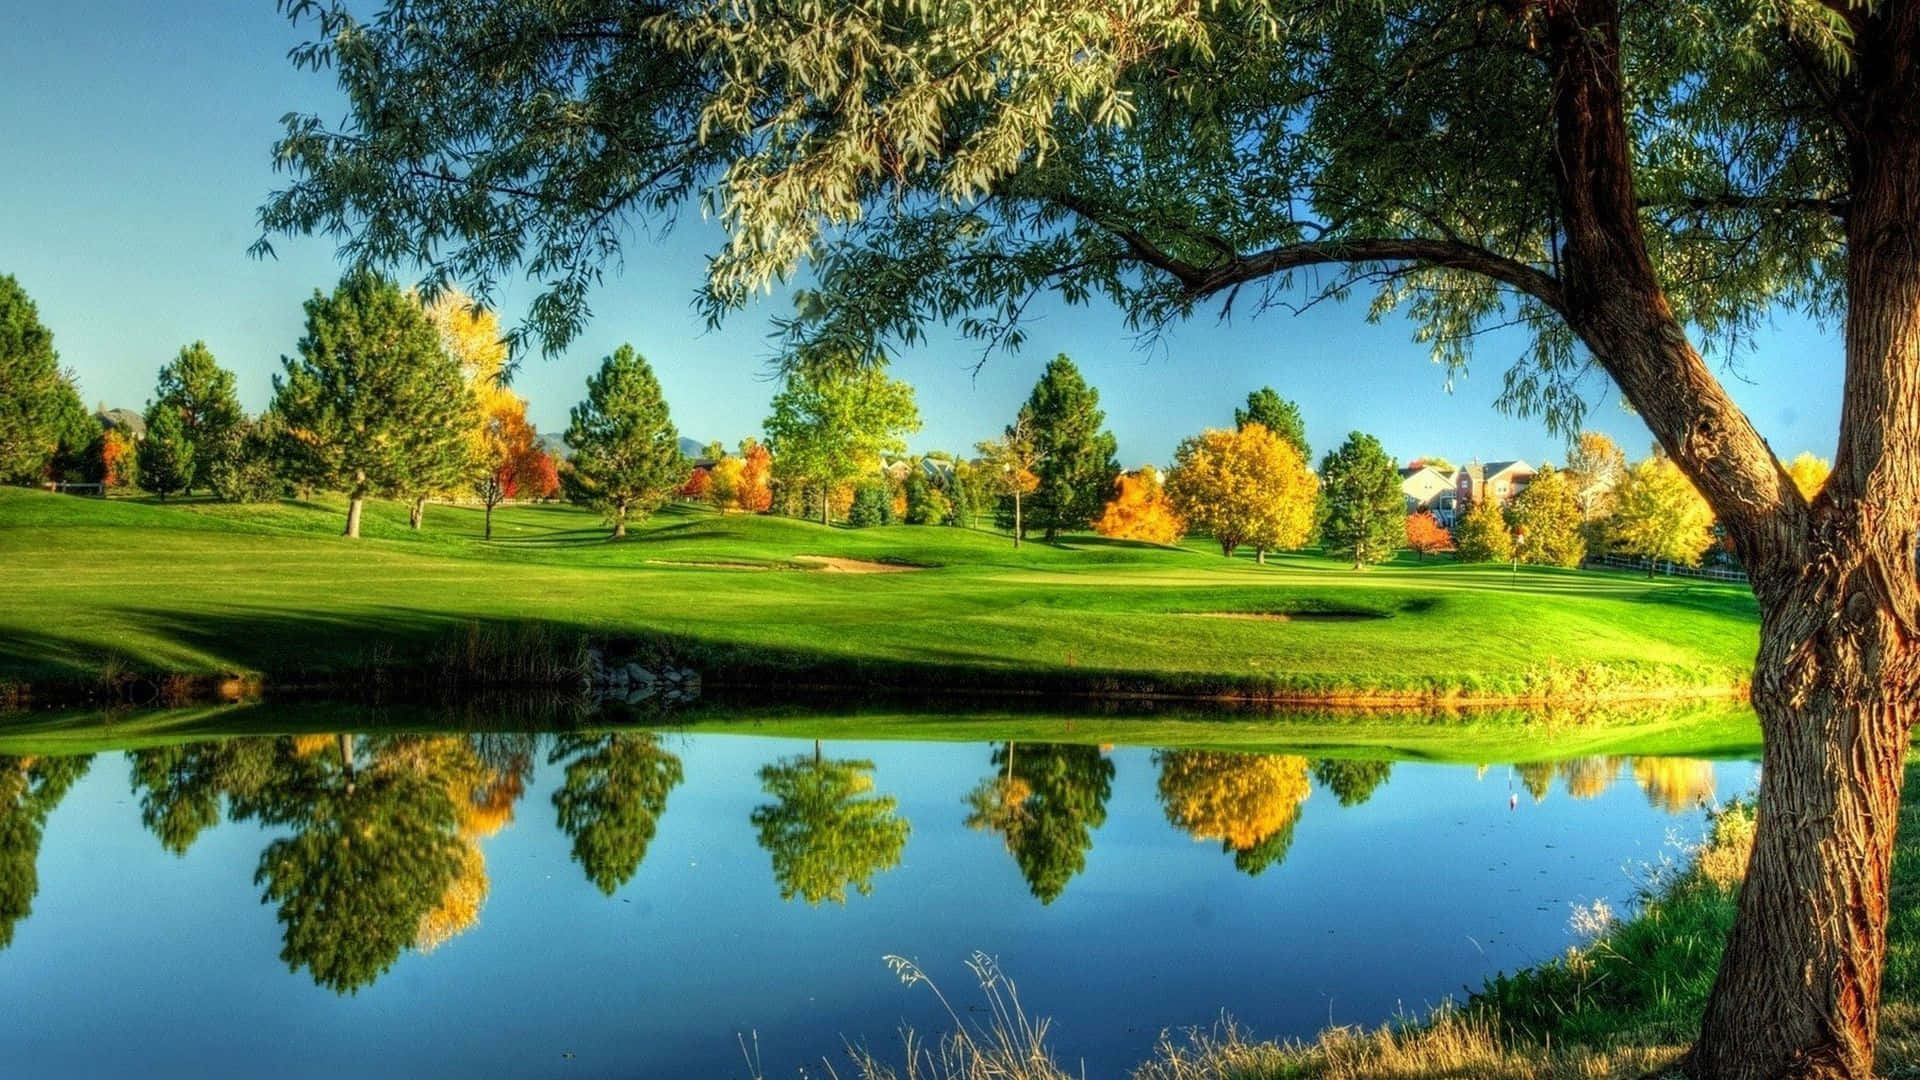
[126,420]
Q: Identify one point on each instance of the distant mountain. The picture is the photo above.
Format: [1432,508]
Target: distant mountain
[692,448]
[555,446]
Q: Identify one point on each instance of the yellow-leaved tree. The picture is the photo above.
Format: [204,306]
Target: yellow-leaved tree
[1141,510]
[1809,473]
[506,449]
[1244,486]
[1248,802]
[1659,515]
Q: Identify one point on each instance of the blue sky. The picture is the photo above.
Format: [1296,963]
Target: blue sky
[134,149]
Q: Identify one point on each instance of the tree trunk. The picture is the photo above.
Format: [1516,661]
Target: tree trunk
[417,513]
[354,505]
[488,534]
[1016,519]
[619,522]
[1260,555]
[1798,994]
[345,743]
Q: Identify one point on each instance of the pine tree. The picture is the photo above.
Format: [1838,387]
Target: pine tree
[372,399]
[1365,512]
[166,455]
[1076,463]
[202,392]
[626,454]
[1278,415]
[30,388]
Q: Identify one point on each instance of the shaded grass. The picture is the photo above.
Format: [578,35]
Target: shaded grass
[201,588]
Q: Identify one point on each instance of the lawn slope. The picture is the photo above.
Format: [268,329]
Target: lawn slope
[95,586]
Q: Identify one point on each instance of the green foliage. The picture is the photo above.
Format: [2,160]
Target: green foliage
[202,393]
[372,400]
[166,454]
[1658,515]
[1045,799]
[1352,781]
[30,789]
[825,832]
[831,424]
[1364,515]
[1481,534]
[34,395]
[610,803]
[926,504]
[626,454]
[871,505]
[1551,519]
[246,463]
[1076,463]
[1278,415]
[181,786]
[372,851]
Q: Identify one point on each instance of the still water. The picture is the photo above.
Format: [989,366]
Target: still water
[643,904]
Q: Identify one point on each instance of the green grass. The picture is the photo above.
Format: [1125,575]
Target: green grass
[205,588]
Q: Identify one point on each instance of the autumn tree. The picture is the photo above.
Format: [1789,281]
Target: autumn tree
[1362,508]
[509,457]
[610,801]
[1482,535]
[1248,802]
[1595,467]
[1809,473]
[1612,179]
[166,460]
[1141,510]
[626,454]
[824,830]
[1548,514]
[498,453]
[1245,486]
[755,492]
[371,400]
[830,425]
[32,388]
[1045,800]
[202,393]
[1007,466]
[118,459]
[723,482]
[1074,462]
[1426,536]
[1277,414]
[699,484]
[1660,516]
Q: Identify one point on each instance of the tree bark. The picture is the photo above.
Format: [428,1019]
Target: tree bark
[417,513]
[488,535]
[1016,519]
[354,504]
[620,522]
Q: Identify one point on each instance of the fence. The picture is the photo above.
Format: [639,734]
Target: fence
[1667,569]
[59,488]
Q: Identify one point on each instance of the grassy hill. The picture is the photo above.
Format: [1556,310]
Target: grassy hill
[204,588]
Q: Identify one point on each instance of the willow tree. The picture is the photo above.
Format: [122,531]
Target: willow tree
[1634,186]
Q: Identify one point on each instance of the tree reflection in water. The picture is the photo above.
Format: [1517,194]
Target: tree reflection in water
[823,831]
[1045,800]
[1248,802]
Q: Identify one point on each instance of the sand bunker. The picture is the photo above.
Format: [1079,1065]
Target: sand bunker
[853,566]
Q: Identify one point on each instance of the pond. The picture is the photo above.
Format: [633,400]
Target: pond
[659,903]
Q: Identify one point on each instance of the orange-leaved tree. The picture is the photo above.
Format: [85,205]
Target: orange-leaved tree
[1426,535]
[1141,510]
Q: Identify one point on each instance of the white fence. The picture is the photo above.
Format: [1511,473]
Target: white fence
[1665,568]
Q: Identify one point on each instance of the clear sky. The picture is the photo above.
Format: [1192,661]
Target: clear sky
[134,149]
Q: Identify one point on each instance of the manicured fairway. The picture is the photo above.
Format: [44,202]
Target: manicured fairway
[199,587]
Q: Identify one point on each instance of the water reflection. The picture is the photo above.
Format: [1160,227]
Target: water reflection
[1045,800]
[376,843]
[1675,785]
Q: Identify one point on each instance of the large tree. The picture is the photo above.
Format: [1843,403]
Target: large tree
[372,399]
[1266,407]
[824,831]
[166,455]
[1245,486]
[626,454]
[1074,463]
[1045,800]
[610,803]
[1612,179]
[830,424]
[32,389]
[195,386]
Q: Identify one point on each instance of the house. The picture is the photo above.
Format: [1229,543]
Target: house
[1500,480]
[1429,490]
[128,421]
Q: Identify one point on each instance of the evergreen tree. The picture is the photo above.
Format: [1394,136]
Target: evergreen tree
[372,399]
[615,790]
[1364,510]
[871,506]
[31,399]
[76,435]
[1278,415]
[202,392]
[1076,463]
[626,454]
[166,455]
